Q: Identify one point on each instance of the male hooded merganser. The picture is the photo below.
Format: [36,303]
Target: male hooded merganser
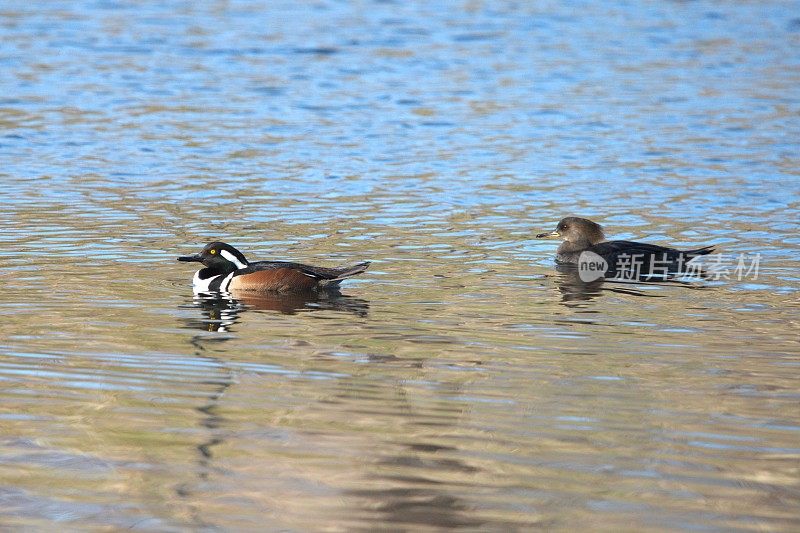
[581,235]
[226,269]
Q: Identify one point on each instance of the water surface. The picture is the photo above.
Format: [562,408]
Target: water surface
[462,382]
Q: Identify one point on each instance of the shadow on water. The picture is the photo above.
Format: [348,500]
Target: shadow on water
[405,486]
[221,311]
[210,420]
[401,497]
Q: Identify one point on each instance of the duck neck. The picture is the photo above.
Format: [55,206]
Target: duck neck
[210,272]
[574,246]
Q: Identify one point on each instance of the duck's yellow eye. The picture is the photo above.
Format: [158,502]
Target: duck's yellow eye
[212,252]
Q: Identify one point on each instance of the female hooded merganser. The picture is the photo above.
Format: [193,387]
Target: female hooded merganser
[226,269]
[581,235]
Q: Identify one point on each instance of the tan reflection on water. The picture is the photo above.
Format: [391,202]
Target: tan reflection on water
[452,385]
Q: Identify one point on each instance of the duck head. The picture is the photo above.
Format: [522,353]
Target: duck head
[219,257]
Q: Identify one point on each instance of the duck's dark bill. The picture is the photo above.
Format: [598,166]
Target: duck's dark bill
[547,235]
[190,258]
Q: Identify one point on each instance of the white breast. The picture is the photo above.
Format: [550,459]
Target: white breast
[223,287]
[202,285]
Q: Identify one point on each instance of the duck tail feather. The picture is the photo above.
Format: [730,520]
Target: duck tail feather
[347,272]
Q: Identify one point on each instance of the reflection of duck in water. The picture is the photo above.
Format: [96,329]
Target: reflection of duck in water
[573,289]
[222,311]
[290,304]
[226,269]
[584,242]
[219,312]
